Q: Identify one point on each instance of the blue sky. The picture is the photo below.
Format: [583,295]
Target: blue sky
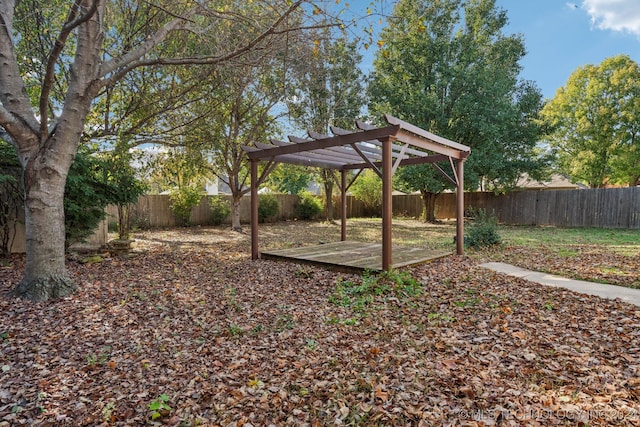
[559,35]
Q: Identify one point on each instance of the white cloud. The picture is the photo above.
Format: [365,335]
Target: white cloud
[616,15]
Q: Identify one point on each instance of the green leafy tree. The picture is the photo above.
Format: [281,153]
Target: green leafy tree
[447,67]
[126,186]
[184,199]
[594,123]
[244,115]
[289,179]
[368,189]
[426,180]
[328,89]
[182,172]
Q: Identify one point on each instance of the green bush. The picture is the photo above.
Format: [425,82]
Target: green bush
[368,189]
[309,206]
[268,207]
[220,209]
[483,231]
[183,200]
[87,193]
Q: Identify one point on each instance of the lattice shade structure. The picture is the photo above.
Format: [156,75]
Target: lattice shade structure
[382,149]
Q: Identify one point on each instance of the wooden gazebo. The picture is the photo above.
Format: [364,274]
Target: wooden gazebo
[382,149]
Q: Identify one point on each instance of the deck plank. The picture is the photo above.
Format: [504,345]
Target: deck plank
[351,255]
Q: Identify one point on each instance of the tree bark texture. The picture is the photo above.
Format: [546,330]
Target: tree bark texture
[45,274]
[328,193]
[429,200]
[235,214]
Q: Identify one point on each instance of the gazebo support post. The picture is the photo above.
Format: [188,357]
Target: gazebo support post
[254,209]
[387,207]
[460,207]
[343,205]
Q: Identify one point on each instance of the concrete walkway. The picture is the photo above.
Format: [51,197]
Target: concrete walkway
[598,289]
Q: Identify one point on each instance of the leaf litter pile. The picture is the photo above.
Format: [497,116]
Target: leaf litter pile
[192,332]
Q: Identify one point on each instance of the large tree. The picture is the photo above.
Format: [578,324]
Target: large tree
[244,114]
[447,66]
[57,56]
[328,90]
[594,123]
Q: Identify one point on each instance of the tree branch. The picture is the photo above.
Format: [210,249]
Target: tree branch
[123,61]
[47,82]
[13,95]
[130,61]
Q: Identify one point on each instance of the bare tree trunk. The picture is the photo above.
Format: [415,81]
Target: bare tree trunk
[45,273]
[328,203]
[429,200]
[235,213]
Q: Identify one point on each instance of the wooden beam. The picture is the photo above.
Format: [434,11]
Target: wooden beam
[343,205]
[404,162]
[397,162]
[396,148]
[321,154]
[339,153]
[353,180]
[445,175]
[254,210]
[426,134]
[343,150]
[460,208]
[367,160]
[430,145]
[387,208]
[335,141]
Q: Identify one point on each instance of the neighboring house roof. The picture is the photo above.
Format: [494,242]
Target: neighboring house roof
[555,182]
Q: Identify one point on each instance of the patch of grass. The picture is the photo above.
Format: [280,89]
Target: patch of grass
[360,296]
[284,322]
[311,344]
[622,241]
[93,359]
[440,318]
[469,302]
[565,252]
[235,330]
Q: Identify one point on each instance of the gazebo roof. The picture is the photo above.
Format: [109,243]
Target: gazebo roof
[362,148]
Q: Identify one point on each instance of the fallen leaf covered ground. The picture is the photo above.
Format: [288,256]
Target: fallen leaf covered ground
[192,332]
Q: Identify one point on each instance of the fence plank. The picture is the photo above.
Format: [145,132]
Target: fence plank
[604,207]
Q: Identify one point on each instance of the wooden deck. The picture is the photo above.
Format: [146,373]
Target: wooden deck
[350,256]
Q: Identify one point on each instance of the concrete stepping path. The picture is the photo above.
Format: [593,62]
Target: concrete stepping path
[598,289]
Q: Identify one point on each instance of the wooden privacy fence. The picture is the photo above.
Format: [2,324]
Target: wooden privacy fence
[605,208]
[602,207]
[155,211]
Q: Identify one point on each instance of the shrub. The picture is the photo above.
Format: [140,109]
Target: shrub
[483,231]
[368,189]
[309,206]
[87,193]
[268,207]
[220,209]
[183,200]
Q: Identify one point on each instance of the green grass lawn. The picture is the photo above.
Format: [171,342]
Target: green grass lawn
[625,242]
